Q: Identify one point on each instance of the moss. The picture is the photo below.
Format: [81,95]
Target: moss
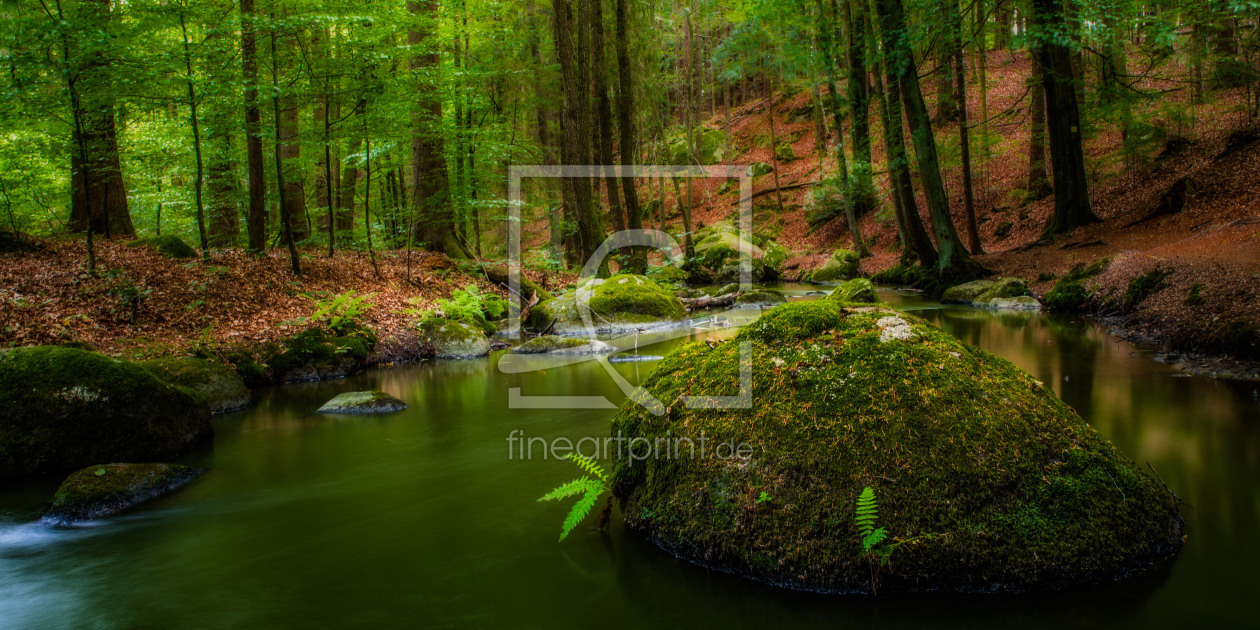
[1067,296]
[785,153]
[667,274]
[67,408]
[761,297]
[317,353]
[757,169]
[619,301]
[452,339]
[107,489]
[222,388]
[167,245]
[355,403]
[553,344]
[1021,492]
[719,249]
[1194,297]
[1144,286]
[1003,230]
[855,290]
[842,265]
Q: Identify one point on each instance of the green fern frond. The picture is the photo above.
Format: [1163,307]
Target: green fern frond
[580,510]
[575,487]
[867,512]
[588,466]
[873,539]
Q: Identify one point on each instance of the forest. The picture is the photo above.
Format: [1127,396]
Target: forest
[950,296]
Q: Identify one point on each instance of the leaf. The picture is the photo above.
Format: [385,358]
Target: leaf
[575,487]
[580,510]
[588,466]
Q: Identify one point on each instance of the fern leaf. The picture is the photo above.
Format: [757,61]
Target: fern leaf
[867,512]
[575,487]
[580,511]
[588,466]
[873,539]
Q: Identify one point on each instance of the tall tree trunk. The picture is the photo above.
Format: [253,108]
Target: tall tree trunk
[625,125]
[1038,177]
[199,182]
[291,155]
[430,189]
[99,185]
[953,261]
[542,124]
[899,167]
[827,46]
[256,217]
[854,17]
[1063,122]
[575,123]
[946,105]
[603,106]
[964,139]
[286,215]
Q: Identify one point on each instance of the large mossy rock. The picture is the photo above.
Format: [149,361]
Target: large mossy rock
[1000,294]
[555,344]
[362,403]
[622,302]
[317,354]
[167,245]
[65,408]
[444,338]
[107,489]
[223,389]
[856,290]
[842,265]
[761,297]
[1012,490]
[666,275]
[719,248]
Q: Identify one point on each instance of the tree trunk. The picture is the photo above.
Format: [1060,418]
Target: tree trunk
[826,45]
[964,139]
[855,15]
[625,125]
[430,189]
[603,107]
[256,218]
[1071,188]
[1038,178]
[199,182]
[953,261]
[286,216]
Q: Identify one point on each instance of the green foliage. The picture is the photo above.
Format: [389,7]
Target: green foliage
[1194,297]
[127,294]
[867,514]
[342,314]
[1069,294]
[471,306]
[167,245]
[1144,286]
[590,486]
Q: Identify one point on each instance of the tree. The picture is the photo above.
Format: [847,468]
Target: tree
[256,217]
[625,126]
[1072,207]
[431,191]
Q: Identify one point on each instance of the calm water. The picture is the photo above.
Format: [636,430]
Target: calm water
[421,519]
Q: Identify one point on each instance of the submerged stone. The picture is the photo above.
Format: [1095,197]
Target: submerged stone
[855,290]
[991,482]
[64,408]
[223,389]
[620,303]
[761,297]
[554,344]
[107,489]
[362,403]
[1000,294]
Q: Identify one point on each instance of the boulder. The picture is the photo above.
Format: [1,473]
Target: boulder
[554,344]
[223,389]
[356,403]
[761,297]
[985,481]
[855,290]
[666,275]
[623,302]
[318,354]
[167,245]
[719,248]
[842,265]
[757,169]
[66,408]
[107,489]
[444,338]
[1000,294]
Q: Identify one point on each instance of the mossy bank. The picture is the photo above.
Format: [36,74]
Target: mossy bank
[1014,489]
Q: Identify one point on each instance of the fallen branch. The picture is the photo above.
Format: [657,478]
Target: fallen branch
[709,301]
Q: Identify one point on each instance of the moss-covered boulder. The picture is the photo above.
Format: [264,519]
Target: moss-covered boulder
[222,388]
[719,248]
[761,297]
[107,489]
[65,408]
[361,403]
[554,344]
[842,265]
[666,275]
[1001,486]
[620,303]
[317,354]
[443,338]
[999,294]
[167,245]
[757,169]
[855,290]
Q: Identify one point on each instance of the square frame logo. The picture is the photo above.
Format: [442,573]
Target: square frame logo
[654,239]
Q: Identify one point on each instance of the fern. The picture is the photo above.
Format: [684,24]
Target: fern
[342,313]
[591,486]
[875,539]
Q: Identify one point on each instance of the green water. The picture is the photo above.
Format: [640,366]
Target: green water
[421,519]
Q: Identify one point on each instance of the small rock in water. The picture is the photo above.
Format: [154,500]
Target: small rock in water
[362,403]
[107,489]
[554,344]
[633,358]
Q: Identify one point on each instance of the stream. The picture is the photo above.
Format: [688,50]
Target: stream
[425,518]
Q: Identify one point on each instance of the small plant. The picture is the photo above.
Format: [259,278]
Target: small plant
[590,486]
[875,539]
[763,497]
[1195,296]
[471,306]
[342,313]
[1144,286]
[127,294]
